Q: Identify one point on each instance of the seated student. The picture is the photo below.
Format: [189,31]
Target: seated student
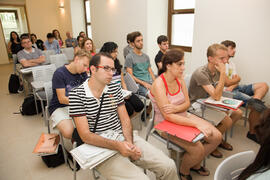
[132,103]
[58,38]
[52,44]
[259,169]
[29,56]
[251,93]
[14,44]
[171,102]
[84,102]
[88,45]
[79,45]
[209,80]
[37,43]
[70,41]
[82,34]
[64,79]
[129,47]
[138,64]
[163,45]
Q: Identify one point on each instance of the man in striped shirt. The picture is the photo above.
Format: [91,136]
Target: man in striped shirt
[84,103]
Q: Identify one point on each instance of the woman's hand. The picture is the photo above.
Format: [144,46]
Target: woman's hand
[169,108]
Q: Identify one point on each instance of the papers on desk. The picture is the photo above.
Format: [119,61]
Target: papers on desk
[47,144]
[225,102]
[187,133]
[89,156]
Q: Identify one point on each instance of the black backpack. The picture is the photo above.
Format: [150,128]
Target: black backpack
[28,107]
[14,83]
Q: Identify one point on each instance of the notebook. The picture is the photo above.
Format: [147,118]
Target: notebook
[225,102]
[187,133]
[47,144]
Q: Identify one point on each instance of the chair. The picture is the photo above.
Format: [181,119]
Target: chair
[47,54]
[231,167]
[170,146]
[69,52]
[59,60]
[15,61]
[41,74]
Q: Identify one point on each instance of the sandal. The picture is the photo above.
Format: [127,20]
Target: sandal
[226,146]
[187,177]
[201,171]
[216,154]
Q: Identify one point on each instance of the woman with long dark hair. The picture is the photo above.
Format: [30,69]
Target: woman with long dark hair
[57,36]
[260,168]
[132,103]
[14,44]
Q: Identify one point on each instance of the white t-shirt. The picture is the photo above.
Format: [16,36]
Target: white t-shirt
[230,69]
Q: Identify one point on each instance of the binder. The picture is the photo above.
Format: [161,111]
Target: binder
[187,133]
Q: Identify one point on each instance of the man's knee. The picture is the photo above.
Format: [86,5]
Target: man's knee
[265,86]
[167,167]
[66,128]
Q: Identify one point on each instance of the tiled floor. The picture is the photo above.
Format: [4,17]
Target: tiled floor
[19,134]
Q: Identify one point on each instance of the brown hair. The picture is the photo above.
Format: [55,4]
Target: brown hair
[134,35]
[228,43]
[171,56]
[93,46]
[211,51]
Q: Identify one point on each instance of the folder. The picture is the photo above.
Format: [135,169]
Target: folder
[187,133]
[47,144]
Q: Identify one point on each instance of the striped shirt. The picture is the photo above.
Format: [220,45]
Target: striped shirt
[83,103]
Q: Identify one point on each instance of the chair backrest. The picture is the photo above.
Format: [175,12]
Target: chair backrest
[48,91]
[69,52]
[43,73]
[187,79]
[151,120]
[59,60]
[231,167]
[131,84]
[47,54]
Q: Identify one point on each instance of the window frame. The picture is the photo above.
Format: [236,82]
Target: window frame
[171,12]
[85,18]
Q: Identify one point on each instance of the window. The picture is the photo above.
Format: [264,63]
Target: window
[88,18]
[180,23]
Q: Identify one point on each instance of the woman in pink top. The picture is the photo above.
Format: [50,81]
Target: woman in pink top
[88,45]
[170,98]
[57,36]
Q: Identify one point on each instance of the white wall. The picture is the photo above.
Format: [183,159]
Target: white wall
[112,20]
[77,17]
[157,18]
[243,21]
[3,50]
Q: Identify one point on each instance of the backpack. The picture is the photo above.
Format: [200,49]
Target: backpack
[28,107]
[14,83]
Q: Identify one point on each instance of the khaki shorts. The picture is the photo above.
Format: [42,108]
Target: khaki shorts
[60,114]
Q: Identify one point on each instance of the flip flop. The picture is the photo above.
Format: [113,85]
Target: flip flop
[201,170]
[187,177]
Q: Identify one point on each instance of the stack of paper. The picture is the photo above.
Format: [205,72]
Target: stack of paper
[47,144]
[89,156]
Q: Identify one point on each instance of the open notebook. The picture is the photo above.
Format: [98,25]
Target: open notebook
[187,133]
[47,144]
[225,102]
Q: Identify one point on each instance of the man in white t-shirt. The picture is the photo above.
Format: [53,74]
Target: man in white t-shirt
[249,93]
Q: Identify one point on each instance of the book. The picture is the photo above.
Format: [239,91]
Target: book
[225,102]
[126,93]
[187,133]
[89,156]
[47,144]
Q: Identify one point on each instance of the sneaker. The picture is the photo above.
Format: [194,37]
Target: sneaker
[20,90]
[257,104]
[252,137]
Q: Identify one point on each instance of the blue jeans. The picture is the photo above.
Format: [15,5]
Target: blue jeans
[243,92]
[142,90]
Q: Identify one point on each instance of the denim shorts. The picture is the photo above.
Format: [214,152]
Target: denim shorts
[243,92]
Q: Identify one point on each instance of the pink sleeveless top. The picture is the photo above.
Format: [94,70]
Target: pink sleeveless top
[176,98]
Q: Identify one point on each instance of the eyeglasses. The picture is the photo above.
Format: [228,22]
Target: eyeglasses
[107,68]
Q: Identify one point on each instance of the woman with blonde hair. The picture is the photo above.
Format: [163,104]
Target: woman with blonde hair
[88,45]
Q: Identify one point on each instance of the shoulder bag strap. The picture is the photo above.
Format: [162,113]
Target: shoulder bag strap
[101,101]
